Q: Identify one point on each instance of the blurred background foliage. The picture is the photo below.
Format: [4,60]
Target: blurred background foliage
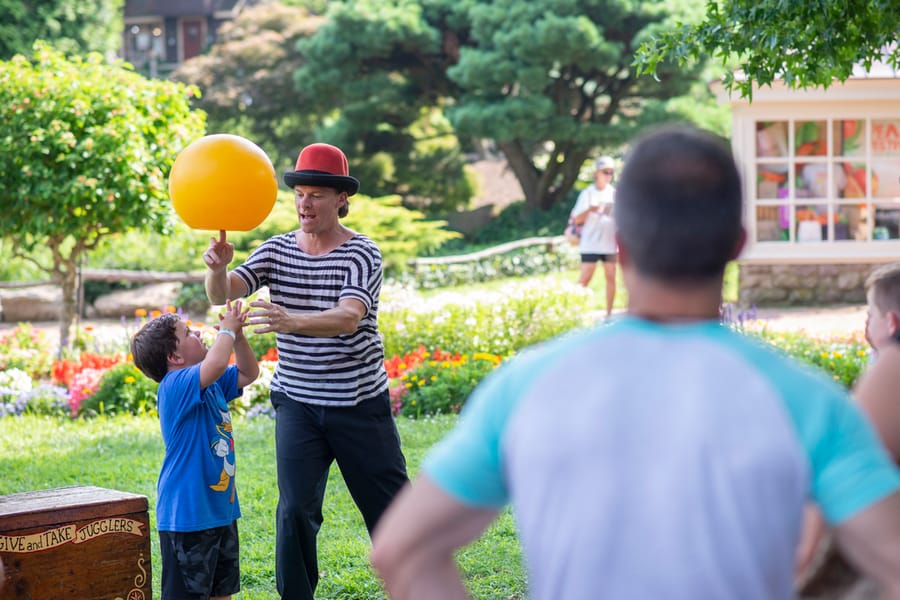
[416,92]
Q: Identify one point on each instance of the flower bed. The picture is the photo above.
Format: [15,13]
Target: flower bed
[438,350]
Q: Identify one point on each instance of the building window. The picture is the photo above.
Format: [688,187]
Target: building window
[144,46]
[826,179]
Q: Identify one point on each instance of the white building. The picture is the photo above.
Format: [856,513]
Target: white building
[821,172]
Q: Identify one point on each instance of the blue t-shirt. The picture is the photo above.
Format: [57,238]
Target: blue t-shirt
[661,461]
[196,488]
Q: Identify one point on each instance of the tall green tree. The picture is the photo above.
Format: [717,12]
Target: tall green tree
[806,44]
[549,81]
[85,148]
[248,89]
[71,26]
[246,79]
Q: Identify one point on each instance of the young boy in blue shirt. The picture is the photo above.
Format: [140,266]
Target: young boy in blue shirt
[197,505]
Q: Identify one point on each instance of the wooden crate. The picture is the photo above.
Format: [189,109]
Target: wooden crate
[80,542]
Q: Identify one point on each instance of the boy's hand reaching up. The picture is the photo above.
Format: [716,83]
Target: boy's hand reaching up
[233,318]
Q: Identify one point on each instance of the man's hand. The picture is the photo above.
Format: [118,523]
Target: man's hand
[219,254]
[268,317]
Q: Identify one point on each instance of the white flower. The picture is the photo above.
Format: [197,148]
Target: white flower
[14,381]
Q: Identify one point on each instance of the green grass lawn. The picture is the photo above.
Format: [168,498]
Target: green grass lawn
[125,453]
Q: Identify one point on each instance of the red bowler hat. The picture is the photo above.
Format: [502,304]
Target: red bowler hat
[323,165]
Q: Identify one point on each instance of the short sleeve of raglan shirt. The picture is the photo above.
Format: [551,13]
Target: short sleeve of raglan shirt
[849,467]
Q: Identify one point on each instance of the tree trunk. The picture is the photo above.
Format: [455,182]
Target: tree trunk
[525,171]
[543,189]
[68,282]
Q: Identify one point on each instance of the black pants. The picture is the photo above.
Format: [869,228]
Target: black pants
[363,439]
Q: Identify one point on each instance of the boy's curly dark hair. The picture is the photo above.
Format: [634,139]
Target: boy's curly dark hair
[152,345]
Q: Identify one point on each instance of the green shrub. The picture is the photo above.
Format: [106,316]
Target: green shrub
[261,343]
[515,222]
[401,234]
[192,299]
[180,249]
[46,399]
[843,359]
[123,390]
[26,348]
[500,322]
[255,399]
[522,262]
[442,386]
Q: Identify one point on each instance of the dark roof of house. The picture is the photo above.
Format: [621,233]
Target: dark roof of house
[177,8]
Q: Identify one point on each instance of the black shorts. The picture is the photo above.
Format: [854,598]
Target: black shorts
[592,258]
[200,564]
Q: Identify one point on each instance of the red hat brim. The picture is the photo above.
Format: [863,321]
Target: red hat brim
[343,183]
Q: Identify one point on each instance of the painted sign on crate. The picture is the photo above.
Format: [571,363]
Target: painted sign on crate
[79,542]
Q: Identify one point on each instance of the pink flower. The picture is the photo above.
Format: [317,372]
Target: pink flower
[397,392]
[84,385]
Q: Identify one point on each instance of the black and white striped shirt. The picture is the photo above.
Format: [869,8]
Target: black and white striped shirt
[331,371]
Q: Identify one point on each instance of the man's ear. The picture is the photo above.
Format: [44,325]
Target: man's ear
[893,323]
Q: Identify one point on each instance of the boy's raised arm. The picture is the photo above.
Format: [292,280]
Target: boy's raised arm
[231,323]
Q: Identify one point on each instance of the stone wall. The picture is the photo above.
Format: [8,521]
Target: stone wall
[43,303]
[802,284]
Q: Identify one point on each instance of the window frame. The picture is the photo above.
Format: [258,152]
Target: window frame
[829,249]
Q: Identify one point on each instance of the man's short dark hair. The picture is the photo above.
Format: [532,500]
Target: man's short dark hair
[679,204]
[152,345]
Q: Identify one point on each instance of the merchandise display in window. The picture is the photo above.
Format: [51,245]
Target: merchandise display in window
[827,180]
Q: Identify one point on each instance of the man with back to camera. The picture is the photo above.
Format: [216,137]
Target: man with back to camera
[664,456]
[330,388]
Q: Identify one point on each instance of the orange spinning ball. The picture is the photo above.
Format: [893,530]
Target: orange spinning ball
[223,182]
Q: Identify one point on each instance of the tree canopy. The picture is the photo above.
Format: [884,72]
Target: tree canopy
[71,26]
[806,44]
[86,148]
[551,82]
[246,79]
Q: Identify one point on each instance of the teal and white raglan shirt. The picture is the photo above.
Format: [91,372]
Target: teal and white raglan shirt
[647,461]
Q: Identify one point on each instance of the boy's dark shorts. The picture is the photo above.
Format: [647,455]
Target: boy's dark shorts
[592,258]
[200,564]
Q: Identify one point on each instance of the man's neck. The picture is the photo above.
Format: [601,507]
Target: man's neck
[323,242]
[665,302]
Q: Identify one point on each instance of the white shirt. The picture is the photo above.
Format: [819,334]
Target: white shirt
[648,461]
[598,233]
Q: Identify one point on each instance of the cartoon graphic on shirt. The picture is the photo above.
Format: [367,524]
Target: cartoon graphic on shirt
[223,447]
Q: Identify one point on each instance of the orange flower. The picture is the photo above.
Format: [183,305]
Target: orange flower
[140,312]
